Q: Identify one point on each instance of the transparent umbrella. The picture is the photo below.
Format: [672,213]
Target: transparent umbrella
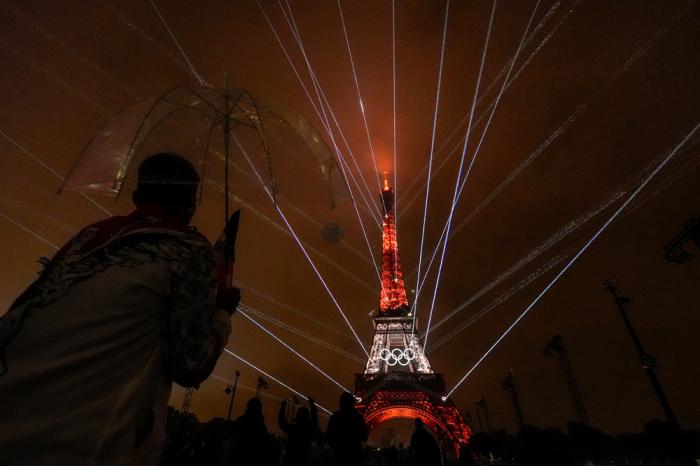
[272,146]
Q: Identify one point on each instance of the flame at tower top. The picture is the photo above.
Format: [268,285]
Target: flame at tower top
[393,297]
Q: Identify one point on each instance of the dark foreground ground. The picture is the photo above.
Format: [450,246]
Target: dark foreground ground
[191,443]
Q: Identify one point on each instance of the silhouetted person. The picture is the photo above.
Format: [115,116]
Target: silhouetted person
[346,432]
[300,433]
[426,451]
[251,441]
[466,457]
[90,350]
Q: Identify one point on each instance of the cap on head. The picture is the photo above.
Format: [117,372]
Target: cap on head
[418,422]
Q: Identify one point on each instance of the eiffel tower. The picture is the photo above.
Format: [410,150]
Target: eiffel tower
[399,381]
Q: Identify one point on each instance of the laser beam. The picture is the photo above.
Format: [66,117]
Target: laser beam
[461,166]
[359,96]
[290,348]
[573,260]
[267,374]
[430,162]
[301,246]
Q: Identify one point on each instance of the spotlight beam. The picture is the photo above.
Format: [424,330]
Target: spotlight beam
[291,22]
[26,229]
[267,374]
[455,195]
[430,162]
[290,348]
[573,260]
[48,168]
[301,246]
[322,98]
[483,95]
[359,95]
[324,122]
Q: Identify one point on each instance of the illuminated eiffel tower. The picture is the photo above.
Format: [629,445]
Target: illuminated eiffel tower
[398,381]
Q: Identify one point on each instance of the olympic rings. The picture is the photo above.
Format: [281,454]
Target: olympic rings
[397,356]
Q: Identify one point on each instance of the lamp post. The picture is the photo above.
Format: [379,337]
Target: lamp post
[509,385]
[231,389]
[647,361]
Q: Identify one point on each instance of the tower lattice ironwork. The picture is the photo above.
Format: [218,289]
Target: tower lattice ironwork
[398,381]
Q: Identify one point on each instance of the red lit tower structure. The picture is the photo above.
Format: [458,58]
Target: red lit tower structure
[398,381]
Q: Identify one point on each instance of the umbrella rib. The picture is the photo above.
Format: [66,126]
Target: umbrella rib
[204,160]
[129,152]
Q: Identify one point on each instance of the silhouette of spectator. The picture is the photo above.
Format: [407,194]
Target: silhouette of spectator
[300,433]
[426,451]
[346,432]
[251,441]
[89,351]
[466,457]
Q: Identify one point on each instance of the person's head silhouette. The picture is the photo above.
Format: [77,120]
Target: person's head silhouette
[303,415]
[170,182]
[418,422]
[347,401]
[254,407]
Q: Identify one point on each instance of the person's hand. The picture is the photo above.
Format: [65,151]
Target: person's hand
[228,299]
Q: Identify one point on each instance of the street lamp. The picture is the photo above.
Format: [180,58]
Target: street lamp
[231,390]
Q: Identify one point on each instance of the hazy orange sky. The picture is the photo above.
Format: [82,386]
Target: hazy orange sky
[603,89]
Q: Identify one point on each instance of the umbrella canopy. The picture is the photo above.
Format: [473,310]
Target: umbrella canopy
[218,130]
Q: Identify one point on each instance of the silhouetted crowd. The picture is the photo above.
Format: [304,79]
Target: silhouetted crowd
[247,441]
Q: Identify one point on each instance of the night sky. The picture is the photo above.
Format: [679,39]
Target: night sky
[602,91]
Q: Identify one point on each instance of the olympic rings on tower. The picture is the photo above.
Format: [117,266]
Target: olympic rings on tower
[397,356]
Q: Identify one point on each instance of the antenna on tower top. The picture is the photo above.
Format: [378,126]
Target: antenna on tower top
[386,186]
